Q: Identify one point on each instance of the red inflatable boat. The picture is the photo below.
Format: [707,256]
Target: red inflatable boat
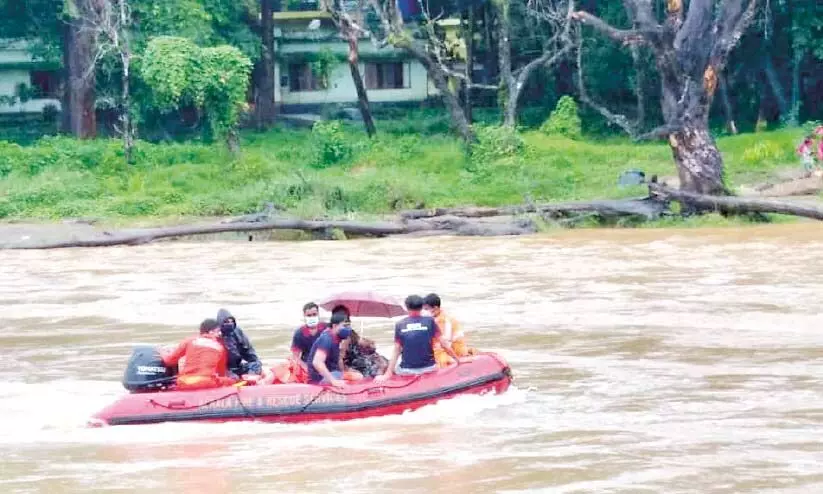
[478,374]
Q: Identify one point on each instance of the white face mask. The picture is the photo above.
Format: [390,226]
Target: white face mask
[426,313]
[312,321]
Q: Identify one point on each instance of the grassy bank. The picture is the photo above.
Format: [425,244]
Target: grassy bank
[339,172]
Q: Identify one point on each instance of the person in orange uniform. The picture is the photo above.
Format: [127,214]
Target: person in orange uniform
[451,331]
[206,358]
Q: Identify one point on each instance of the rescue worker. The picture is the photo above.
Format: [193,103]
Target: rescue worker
[206,359]
[242,359]
[451,331]
[414,339]
[324,357]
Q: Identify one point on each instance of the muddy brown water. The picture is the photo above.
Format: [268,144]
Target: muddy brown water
[645,361]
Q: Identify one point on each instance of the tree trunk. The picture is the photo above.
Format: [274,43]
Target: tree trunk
[233,141]
[727,105]
[265,109]
[797,60]
[79,107]
[125,116]
[357,78]
[512,91]
[441,82]
[490,66]
[125,56]
[777,87]
[699,163]
[468,34]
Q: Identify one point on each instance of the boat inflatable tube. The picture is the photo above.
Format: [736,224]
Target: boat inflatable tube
[290,403]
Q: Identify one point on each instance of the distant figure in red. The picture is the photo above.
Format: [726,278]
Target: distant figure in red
[205,359]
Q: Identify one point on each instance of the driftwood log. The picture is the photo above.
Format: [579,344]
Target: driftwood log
[734,205]
[475,221]
[644,207]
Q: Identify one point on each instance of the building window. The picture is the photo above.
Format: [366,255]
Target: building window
[302,78]
[387,75]
[45,83]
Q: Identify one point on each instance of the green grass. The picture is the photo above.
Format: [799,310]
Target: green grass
[410,164]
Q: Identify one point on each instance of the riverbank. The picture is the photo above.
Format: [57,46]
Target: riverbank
[336,174]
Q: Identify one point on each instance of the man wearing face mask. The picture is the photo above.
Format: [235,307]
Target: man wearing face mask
[324,357]
[242,358]
[307,334]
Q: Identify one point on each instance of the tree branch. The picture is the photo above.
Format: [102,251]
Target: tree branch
[615,118]
[621,35]
[735,21]
[659,132]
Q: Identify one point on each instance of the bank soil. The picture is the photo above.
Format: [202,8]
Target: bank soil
[467,221]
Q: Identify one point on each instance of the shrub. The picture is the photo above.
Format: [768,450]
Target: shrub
[330,144]
[496,142]
[564,120]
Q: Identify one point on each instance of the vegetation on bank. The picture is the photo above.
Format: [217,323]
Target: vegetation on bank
[335,171]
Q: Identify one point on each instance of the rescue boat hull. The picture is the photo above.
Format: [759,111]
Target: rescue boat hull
[292,403]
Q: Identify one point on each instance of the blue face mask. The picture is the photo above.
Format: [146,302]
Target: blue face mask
[344,332]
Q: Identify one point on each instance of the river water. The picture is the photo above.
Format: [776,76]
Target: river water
[645,361]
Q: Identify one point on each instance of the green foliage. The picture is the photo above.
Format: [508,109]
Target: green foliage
[330,144]
[762,152]
[59,177]
[564,120]
[496,142]
[214,80]
[323,65]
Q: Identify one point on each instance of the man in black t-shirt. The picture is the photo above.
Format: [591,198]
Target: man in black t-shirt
[413,338]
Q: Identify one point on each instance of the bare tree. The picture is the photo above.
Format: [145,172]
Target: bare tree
[422,41]
[108,23]
[691,49]
[265,108]
[351,30]
[79,117]
[555,15]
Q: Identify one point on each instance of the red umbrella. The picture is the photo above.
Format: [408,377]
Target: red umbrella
[365,304]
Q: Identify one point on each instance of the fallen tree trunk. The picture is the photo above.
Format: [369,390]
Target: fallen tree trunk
[733,205]
[151,234]
[644,207]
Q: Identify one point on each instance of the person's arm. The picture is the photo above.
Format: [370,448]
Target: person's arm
[444,342]
[296,351]
[344,347]
[319,363]
[398,348]
[171,359]
[248,354]
[447,347]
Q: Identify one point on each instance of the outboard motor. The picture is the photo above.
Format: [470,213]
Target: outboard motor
[147,372]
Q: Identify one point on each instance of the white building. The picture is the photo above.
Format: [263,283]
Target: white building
[390,75]
[27,86]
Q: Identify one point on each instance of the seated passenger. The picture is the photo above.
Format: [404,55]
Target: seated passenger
[324,357]
[451,331]
[242,359]
[414,338]
[360,354]
[205,359]
[305,336]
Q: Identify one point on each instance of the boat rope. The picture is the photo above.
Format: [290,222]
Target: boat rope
[352,393]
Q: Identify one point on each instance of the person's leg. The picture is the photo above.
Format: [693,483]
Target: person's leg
[401,371]
[334,374]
